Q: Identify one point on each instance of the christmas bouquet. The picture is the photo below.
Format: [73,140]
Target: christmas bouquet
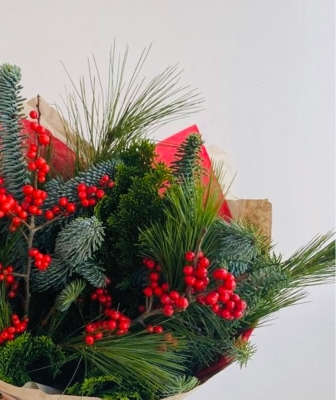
[123,275]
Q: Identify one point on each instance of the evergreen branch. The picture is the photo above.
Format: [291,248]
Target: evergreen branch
[91,272]
[186,162]
[13,167]
[78,240]
[190,211]
[56,188]
[69,294]
[130,356]
[126,111]
[313,264]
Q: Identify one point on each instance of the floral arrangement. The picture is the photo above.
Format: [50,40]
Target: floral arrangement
[121,276]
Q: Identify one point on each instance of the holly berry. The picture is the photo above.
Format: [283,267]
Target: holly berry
[189,256]
[33,114]
[89,340]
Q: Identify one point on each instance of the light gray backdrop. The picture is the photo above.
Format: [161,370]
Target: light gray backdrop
[266,70]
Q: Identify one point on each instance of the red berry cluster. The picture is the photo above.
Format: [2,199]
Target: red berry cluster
[6,276]
[43,137]
[196,275]
[37,164]
[154,329]
[115,320]
[41,261]
[88,195]
[222,300]
[170,300]
[18,326]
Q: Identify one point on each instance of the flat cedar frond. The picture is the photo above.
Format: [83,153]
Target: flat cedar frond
[314,264]
[137,356]
[191,209]
[69,294]
[103,122]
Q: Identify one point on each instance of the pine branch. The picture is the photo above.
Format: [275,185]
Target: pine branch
[133,356]
[91,272]
[12,164]
[69,294]
[126,111]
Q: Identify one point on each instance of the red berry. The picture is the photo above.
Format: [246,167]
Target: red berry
[230,285]
[31,166]
[63,201]
[224,296]
[148,291]
[158,291]
[189,256]
[201,272]
[33,114]
[150,264]
[150,328]
[154,276]
[90,328]
[200,254]
[41,130]
[182,302]
[204,262]
[234,297]
[226,314]
[82,195]
[165,287]
[198,285]
[81,187]
[230,305]
[44,140]
[111,325]
[215,308]
[85,203]
[174,295]
[124,325]
[34,126]
[98,336]
[100,194]
[158,329]
[190,280]
[165,299]
[240,305]
[237,314]
[188,270]
[211,298]
[33,147]
[168,310]
[89,340]
[71,207]
[220,274]
[49,214]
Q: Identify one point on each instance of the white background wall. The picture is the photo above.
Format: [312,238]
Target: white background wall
[266,70]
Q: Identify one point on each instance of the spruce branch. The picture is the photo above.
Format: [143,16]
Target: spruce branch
[12,164]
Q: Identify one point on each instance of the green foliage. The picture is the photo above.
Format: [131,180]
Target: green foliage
[190,211]
[74,252]
[126,111]
[5,309]
[21,357]
[182,384]
[186,163]
[235,245]
[132,357]
[111,388]
[133,204]
[12,164]
[69,294]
